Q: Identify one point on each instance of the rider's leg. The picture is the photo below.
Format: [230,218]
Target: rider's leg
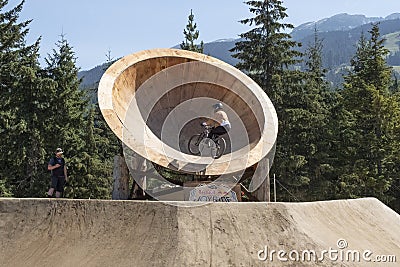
[217,131]
[53,186]
[50,192]
[60,186]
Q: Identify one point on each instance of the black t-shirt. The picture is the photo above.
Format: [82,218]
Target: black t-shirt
[60,170]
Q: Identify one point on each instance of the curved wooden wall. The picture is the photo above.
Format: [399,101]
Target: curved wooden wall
[154,101]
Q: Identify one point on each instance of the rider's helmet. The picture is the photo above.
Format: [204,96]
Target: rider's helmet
[218,106]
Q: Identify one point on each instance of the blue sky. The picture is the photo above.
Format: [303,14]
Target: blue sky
[95,27]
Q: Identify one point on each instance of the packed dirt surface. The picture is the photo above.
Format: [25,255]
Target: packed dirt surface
[53,232]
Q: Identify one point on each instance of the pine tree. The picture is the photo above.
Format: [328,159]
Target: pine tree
[24,110]
[375,116]
[89,153]
[191,35]
[12,37]
[314,60]
[268,55]
[96,165]
[395,88]
[266,51]
[294,134]
[316,138]
[69,102]
[69,105]
[43,109]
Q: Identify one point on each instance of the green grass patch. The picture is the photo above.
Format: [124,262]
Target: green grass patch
[392,42]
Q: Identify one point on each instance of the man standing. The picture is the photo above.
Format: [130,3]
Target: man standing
[58,174]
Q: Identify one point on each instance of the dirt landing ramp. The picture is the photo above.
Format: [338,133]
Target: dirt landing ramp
[49,232]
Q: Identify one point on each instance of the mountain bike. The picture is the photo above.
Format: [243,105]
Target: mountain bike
[200,144]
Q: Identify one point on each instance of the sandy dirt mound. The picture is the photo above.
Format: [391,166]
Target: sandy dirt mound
[50,232]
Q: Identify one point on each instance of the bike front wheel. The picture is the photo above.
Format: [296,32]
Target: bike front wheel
[193,144]
[220,146]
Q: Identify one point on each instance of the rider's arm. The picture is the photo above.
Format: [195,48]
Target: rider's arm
[51,167]
[211,122]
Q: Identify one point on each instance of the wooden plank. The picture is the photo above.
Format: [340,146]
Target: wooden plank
[121,179]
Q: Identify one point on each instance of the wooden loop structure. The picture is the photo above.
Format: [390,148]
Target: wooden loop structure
[155,100]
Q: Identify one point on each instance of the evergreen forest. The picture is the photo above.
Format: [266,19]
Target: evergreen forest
[334,142]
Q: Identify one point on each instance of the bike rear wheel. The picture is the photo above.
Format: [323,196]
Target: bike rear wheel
[193,144]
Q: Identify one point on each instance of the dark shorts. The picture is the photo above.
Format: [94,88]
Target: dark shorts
[58,183]
[217,131]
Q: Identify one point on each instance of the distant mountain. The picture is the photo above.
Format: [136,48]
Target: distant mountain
[393,16]
[220,49]
[340,46]
[92,76]
[340,22]
[339,34]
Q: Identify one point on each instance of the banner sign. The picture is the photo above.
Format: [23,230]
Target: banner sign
[213,193]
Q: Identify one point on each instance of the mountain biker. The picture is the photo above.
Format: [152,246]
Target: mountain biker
[219,121]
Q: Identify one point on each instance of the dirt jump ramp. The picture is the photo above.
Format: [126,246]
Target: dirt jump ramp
[50,232]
